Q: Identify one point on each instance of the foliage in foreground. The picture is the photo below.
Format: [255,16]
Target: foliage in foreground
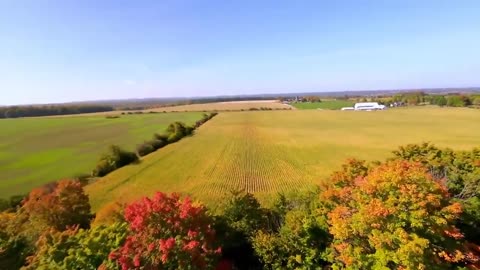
[167,232]
[58,207]
[406,213]
[78,248]
[397,216]
[460,172]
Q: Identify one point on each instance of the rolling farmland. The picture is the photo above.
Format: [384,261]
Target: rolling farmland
[266,152]
[35,151]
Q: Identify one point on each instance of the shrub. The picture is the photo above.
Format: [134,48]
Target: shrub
[161,137]
[157,144]
[178,130]
[145,149]
[167,232]
[115,158]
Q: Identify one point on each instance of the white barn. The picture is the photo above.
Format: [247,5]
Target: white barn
[368,106]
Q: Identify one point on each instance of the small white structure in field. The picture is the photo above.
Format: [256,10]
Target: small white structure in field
[368,106]
[347,108]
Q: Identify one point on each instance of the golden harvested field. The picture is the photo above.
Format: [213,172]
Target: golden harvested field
[266,152]
[226,106]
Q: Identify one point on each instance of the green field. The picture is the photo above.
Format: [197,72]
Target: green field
[265,152]
[325,105]
[34,151]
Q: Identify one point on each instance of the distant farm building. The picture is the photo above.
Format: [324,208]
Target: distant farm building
[368,106]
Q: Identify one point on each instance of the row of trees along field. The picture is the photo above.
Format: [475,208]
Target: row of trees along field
[47,110]
[418,210]
[117,157]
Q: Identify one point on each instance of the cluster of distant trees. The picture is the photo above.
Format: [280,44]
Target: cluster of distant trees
[419,209]
[47,110]
[450,100]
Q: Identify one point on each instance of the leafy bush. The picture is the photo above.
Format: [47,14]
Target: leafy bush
[178,130]
[115,158]
[161,137]
[78,249]
[167,232]
[157,144]
[145,149]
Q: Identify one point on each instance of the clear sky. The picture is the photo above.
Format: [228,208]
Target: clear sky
[65,50]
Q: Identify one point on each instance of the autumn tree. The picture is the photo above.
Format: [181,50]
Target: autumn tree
[167,232]
[59,206]
[394,215]
[460,171]
[13,246]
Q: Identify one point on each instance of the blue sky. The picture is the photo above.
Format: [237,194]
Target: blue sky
[56,51]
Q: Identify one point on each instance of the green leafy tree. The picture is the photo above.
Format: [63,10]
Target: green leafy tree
[299,244]
[458,101]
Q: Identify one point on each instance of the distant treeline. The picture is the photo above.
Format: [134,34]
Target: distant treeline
[47,110]
[407,99]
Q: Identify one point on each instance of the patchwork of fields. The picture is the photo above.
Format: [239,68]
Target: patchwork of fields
[35,151]
[266,152]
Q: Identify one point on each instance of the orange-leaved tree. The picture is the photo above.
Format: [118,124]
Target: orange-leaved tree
[392,216]
[59,205]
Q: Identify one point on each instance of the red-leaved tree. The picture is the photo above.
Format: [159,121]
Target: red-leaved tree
[167,232]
